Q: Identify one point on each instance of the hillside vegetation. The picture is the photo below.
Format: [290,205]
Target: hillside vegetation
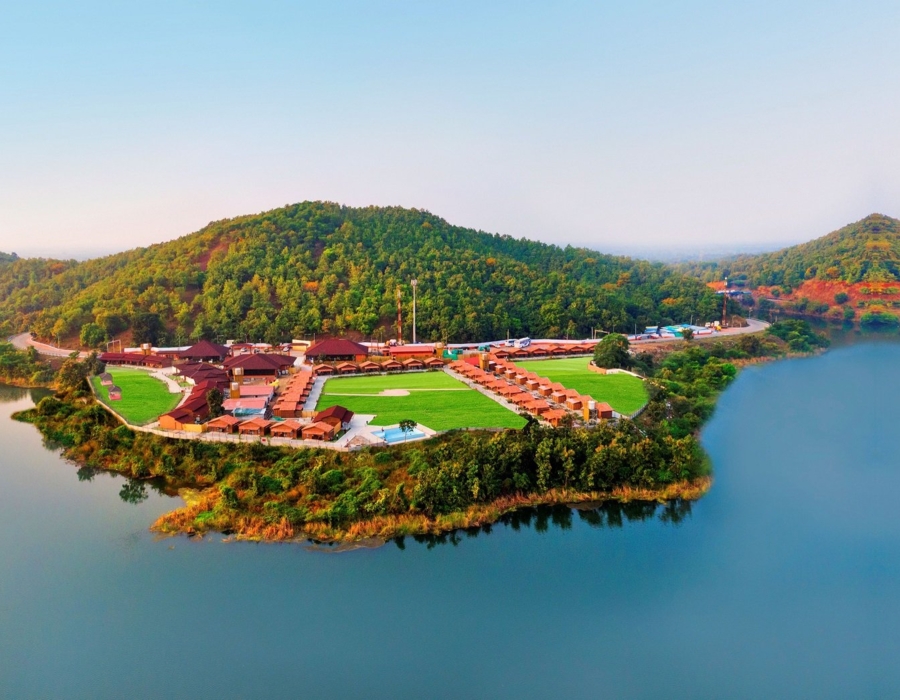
[865,251]
[322,268]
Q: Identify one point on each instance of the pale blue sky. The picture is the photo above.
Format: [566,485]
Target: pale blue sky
[625,125]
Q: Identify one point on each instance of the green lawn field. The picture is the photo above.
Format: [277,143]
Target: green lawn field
[435,400]
[144,398]
[624,393]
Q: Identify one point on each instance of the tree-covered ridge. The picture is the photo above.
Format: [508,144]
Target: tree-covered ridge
[319,267]
[7,257]
[865,251]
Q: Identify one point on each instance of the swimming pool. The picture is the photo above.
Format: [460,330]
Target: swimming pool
[394,435]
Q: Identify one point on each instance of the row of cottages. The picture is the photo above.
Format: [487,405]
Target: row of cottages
[571,399]
[135,359]
[370,367]
[530,392]
[325,425]
[293,396]
[543,350]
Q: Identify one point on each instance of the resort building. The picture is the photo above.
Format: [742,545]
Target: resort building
[336,350]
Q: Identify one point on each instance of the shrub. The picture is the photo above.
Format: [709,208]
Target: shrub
[841,298]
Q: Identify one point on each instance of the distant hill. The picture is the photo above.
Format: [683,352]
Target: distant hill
[322,268]
[865,251]
[852,273]
[8,257]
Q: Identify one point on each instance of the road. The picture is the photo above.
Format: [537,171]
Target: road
[754,326]
[24,341]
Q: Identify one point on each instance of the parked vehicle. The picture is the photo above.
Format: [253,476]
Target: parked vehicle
[523,342]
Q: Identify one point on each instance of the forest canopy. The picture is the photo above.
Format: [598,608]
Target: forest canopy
[865,251]
[326,269]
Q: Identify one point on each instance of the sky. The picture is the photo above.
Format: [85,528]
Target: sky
[622,126]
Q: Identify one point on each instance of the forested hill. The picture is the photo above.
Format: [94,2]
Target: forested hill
[323,268]
[7,257]
[865,251]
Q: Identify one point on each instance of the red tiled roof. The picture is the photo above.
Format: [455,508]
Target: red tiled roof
[205,349]
[339,412]
[336,347]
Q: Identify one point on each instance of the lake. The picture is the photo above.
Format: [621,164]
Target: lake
[783,582]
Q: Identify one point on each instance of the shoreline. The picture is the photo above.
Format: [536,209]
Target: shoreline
[262,494]
[378,531]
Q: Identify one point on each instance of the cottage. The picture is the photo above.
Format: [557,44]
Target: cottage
[286,429]
[604,410]
[223,424]
[254,426]
[318,431]
[115,392]
[391,366]
[434,363]
[369,366]
[323,370]
[347,368]
[336,416]
[413,363]
[106,379]
[555,417]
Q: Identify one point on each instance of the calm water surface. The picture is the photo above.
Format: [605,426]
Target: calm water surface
[783,582]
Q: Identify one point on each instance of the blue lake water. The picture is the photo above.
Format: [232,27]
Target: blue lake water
[783,582]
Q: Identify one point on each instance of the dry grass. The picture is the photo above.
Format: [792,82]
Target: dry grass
[253,527]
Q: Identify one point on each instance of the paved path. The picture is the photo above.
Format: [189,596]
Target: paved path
[24,340]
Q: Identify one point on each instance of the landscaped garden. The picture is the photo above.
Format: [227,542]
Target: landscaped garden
[434,399]
[144,398]
[625,393]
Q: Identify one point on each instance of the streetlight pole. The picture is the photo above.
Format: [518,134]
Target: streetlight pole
[414,283]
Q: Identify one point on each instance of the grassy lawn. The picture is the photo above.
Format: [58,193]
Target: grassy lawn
[144,398]
[624,393]
[435,399]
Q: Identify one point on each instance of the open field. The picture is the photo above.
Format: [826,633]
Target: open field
[434,399]
[144,398]
[624,393]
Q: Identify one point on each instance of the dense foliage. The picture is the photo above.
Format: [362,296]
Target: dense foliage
[321,268]
[612,352]
[23,366]
[799,335]
[865,251]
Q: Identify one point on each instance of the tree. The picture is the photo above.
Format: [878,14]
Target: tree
[612,352]
[72,373]
[407,426]
[147,328]
[215,400]
[91,335]
[841,298]
[687,333]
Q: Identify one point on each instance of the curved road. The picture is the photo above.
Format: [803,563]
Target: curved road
[24,341]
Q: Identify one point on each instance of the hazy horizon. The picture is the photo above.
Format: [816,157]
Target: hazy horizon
[619,128]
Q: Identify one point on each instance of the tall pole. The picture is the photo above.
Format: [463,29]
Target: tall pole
[724,301]
[399,316]
[414,283]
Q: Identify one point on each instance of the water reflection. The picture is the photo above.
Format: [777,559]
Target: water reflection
[610,514]
[11,394]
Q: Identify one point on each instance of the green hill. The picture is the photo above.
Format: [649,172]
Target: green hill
[865,251]
[318,267]
[8,257]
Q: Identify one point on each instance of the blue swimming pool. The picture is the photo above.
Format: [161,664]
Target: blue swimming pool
[392,435]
